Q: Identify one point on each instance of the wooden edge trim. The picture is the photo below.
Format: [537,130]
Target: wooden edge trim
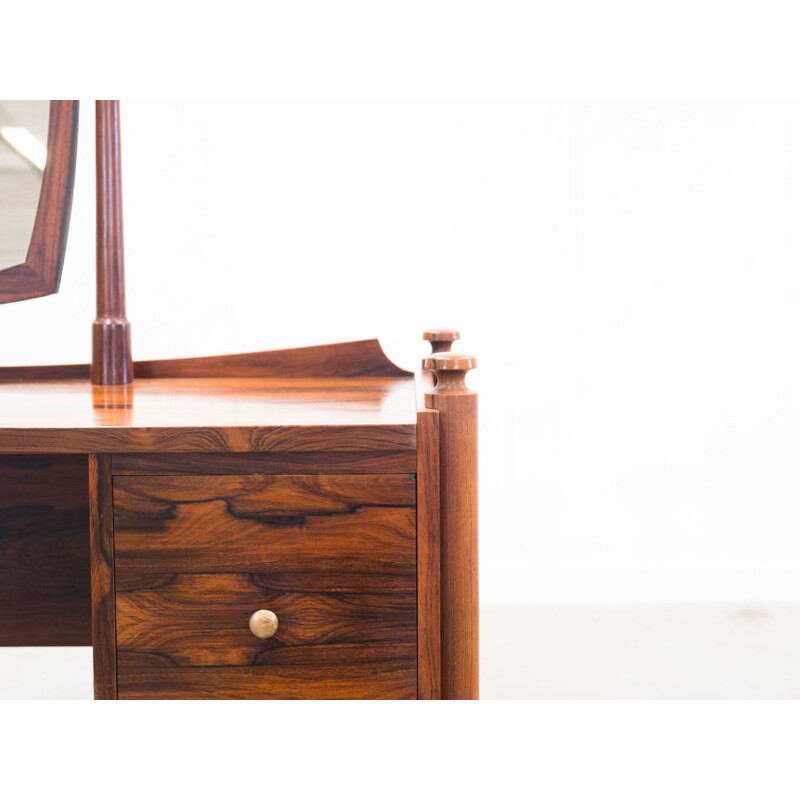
[40,274]
[272,438]
[101,533]
[429,669]
[424,385]
[363,359]
[341,360]
[316,463]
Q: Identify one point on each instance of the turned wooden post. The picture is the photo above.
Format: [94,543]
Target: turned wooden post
[111,336]
[458,487]
[441,339]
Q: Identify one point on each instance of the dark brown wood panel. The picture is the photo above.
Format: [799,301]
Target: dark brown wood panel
[305,525]
[201,620]
[428,561]
[264,463]
[389,679]
[286,438]
[45,596]
[102,550]
[334,556]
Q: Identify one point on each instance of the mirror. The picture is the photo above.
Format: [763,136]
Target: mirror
[38,143]
[23,153]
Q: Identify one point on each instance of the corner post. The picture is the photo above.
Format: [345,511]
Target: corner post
[112,364]
[458,485]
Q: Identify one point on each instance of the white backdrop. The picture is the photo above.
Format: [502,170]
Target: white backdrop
[626,274]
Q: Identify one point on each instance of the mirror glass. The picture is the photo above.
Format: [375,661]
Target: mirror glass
[23,150]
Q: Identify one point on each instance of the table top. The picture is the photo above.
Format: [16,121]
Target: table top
[234,414]
[258,411]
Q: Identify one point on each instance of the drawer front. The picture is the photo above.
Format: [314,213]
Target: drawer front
[333,556]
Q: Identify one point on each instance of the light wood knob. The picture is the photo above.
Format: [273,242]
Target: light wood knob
[263,623]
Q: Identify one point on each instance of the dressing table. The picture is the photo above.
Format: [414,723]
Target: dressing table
[293,524]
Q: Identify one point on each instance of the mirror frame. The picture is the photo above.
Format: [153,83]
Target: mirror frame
[40,274]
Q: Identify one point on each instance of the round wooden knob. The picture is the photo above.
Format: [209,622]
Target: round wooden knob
[441,339]
[263,624]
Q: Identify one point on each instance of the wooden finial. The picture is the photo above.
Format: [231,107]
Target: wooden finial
[441,339]
[450,370]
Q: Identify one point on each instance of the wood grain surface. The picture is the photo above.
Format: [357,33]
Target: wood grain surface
[112,362]
[101,532]
[265,463]
[361,359]
[428,557]
[303,525]
[211,415]
[457,405]
[279,438]
[334,556]
[393,677]
[44,551]
[201,620]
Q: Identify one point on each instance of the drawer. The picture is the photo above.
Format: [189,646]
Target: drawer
[332,556]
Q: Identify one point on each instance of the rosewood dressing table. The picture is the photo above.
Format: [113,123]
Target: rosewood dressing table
[288,524]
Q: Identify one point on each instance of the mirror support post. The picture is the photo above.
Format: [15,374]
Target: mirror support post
[112,364]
